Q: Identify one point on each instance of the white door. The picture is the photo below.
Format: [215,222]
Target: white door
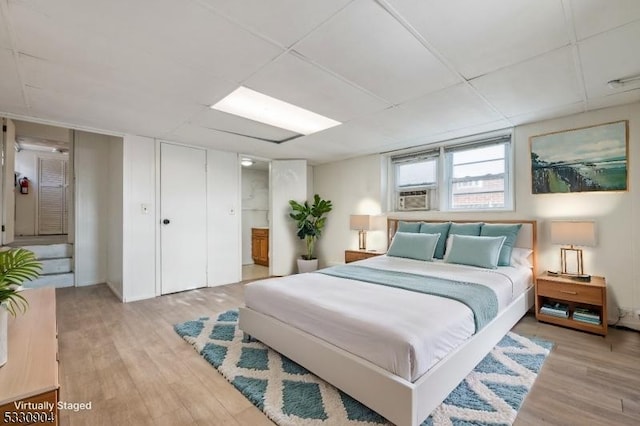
[8,180]
[52,201]
[183,217]
[288,181]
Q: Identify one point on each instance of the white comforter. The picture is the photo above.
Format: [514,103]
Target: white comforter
[401,331]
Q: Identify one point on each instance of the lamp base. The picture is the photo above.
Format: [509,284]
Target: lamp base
[577,277]
[362,240]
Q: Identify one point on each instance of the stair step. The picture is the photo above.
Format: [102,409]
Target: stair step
[51,251]
[52,280]
[56,266]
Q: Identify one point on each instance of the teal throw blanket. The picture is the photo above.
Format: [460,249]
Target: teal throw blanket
[479,298]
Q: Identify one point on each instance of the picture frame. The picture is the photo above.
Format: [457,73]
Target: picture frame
[586,159]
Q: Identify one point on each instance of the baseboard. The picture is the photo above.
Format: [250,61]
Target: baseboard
[629,318]
[115,291]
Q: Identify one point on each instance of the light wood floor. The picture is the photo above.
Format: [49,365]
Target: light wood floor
[135,370]
[254,272]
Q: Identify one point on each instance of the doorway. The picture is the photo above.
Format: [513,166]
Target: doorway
[42,194]
[255,218]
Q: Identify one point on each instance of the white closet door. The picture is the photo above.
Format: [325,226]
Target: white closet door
[51,196]
[183,210]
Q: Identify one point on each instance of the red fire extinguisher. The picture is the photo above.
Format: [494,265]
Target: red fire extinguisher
[24,185]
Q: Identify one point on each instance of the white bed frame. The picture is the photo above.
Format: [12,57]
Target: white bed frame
[400,401]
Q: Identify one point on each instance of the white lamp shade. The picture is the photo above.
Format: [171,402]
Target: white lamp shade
[360,222]
[577,233]
[366,222]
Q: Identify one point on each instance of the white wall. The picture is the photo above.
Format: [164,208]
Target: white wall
[92,188]
[115,215]
[358,185]
[42,131]
[224,216]
[138,228]
[27,204]
[255,206]
[354,186]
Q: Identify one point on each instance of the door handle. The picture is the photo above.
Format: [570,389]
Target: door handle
[166,221]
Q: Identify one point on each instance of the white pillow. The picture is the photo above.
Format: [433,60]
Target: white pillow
[520,257]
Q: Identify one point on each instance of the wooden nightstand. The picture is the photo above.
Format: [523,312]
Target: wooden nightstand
[576,294]
[353,255]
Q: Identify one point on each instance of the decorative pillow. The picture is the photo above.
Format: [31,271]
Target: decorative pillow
[474,251]
[520,257]
[413,245]
[408,227]
[465,228]
[510,231]
[437,228]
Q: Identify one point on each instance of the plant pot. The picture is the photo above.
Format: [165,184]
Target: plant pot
[307,265]
[4,320]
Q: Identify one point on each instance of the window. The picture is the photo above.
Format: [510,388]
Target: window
[416,180]
[477,178]
[455,176]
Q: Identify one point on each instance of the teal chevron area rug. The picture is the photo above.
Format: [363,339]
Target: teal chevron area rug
[291,396]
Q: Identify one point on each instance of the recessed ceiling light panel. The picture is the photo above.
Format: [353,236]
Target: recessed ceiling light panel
[256,106]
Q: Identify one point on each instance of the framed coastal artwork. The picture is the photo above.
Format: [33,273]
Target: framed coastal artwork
[581,160]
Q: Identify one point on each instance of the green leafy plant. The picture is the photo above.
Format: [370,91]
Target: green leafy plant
[16,266]
[310,220]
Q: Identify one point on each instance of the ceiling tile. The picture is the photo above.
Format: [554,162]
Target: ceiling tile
[5,40]
[595,16]
[110,108]
[617,46]
[201,136]
[10,86]
[217,120]
[615,99]
[534,85]
[483,36]
[448,135]
[284,21]
[350,138]
[183,32]
[449,109]
[296,81]
[546,114]
[366,45]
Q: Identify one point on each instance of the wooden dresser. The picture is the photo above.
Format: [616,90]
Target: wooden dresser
[260,246]
[31,372]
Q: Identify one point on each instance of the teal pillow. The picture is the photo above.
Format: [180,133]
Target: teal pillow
[441,228]
[413,245]
[510,231]
[408,227]
[466,228]
[475,251]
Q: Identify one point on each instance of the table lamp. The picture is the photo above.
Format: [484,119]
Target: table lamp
[573,233]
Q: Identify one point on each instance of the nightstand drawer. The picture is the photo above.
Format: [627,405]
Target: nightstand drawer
[355,255]
[571,292]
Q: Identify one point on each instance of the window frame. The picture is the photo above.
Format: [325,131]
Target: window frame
[442,195]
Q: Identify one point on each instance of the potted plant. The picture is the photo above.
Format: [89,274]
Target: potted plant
[16,266]
[310,221]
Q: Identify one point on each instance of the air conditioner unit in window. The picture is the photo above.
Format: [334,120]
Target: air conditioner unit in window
[413,200]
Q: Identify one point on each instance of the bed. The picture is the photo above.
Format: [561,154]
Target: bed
[400,362]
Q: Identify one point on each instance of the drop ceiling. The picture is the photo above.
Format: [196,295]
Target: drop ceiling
[396,73]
